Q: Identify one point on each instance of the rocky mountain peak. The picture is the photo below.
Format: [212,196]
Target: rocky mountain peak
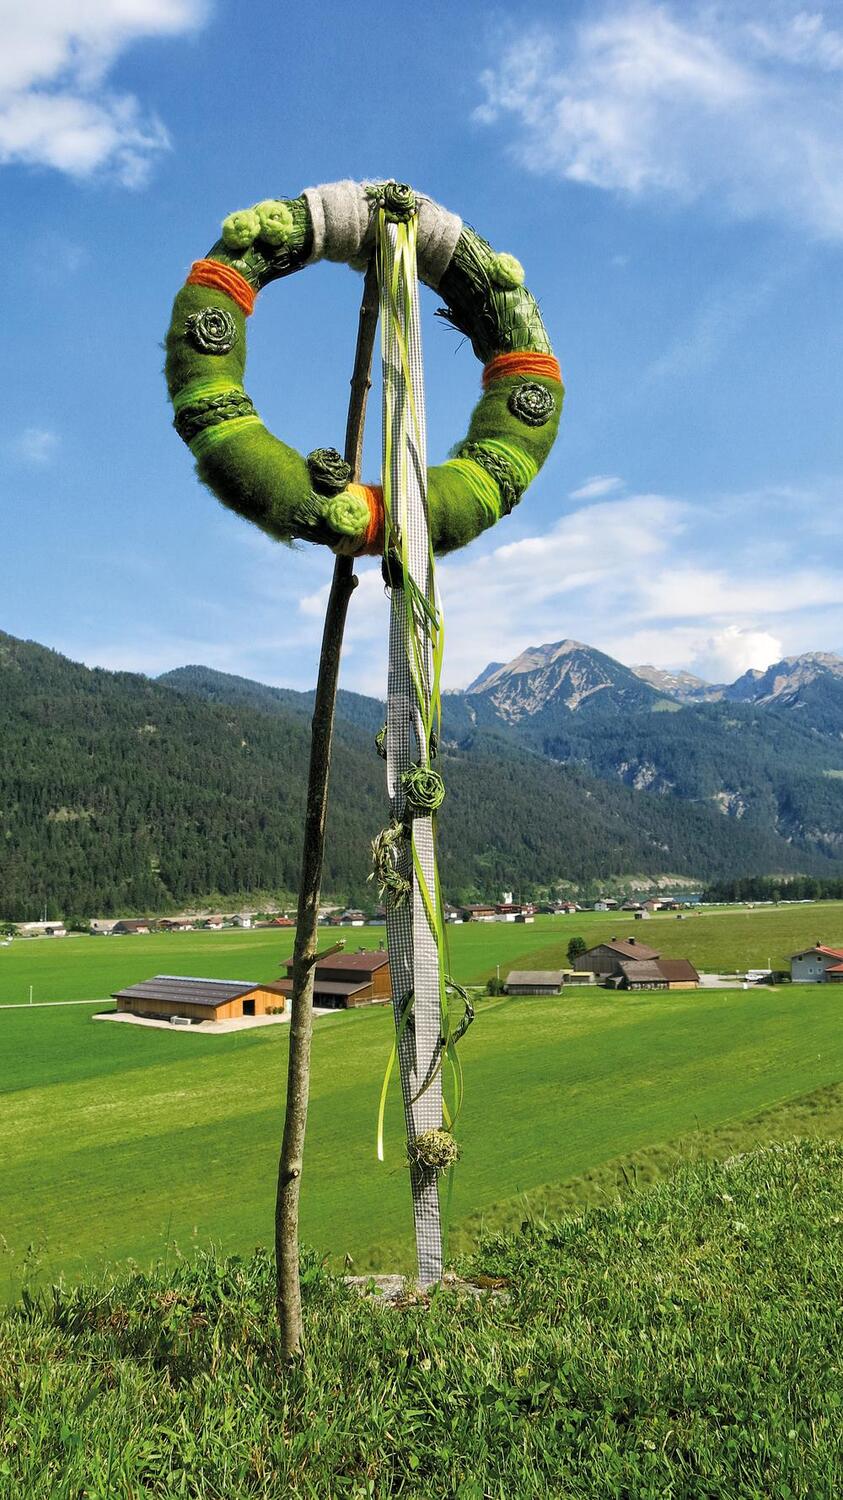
[563,674]
[785,680]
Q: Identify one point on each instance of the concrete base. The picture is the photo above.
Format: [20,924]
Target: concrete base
[209,1028]
[406,1291]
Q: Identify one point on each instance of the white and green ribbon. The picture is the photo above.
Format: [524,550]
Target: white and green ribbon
[414,928]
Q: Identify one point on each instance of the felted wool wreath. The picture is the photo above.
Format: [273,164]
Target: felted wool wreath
[512,428]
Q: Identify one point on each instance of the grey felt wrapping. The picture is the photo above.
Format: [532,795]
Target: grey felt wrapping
[343,222]
[413,954]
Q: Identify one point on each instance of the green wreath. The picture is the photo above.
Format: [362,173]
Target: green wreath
[512,428]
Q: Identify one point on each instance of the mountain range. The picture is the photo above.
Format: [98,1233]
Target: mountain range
[121,793]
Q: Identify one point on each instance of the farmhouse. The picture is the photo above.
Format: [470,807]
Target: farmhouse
[345,980]
[640,974]
[605,958]
[534,982]
[626,964]
[41,929]
[169,995]
[817,965]
[131,925]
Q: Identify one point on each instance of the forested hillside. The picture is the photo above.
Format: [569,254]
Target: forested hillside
[119,794]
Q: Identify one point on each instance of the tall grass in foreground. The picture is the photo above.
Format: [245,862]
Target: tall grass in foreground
[684,1343]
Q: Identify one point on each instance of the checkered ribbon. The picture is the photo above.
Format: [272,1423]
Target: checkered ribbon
[411,936]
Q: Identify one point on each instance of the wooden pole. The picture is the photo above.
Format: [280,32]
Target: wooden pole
[288,1291]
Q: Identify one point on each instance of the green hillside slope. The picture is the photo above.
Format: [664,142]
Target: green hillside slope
[685,1343]
[119,794]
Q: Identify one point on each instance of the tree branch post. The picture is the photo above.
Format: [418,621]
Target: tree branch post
[288,1290]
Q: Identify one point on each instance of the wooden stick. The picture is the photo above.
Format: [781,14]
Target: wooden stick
[287,1288]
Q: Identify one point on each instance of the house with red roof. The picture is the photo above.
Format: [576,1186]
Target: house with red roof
[817,965]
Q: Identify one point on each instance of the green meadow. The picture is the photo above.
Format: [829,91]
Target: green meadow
[127,1142]
[731,938]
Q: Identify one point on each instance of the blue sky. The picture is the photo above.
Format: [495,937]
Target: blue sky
[671,177]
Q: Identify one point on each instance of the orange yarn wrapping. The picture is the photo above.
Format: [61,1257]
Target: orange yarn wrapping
[222,278]
[521,363]
[373,540]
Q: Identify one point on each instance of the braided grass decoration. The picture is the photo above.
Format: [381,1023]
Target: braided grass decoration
[290,496]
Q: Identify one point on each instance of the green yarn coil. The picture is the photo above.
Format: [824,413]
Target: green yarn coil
[276,221]
[347,514]
[506,271]
[424,789]
[241,229]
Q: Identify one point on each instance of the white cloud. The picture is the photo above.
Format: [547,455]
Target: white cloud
[35,445]
[729,653]
[692,101]
[55,107]
[597,485]
[645,579]
[708,586]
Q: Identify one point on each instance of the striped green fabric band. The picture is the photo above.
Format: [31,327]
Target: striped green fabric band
[208,439]
[482,487]
[524,467]
[200,389]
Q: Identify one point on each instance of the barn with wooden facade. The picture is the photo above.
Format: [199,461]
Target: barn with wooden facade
[534,982]
[606,958]
[344,980]
[169,995]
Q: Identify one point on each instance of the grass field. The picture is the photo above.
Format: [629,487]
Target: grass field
[685,1344]
[119,1140]
[731,939]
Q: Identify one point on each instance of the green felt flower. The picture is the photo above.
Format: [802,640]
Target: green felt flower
[399,202]
[347,514]
[329,472]
[507,272]
[424,788]
[212,330]
[276,221]
[241,229]
[531,403]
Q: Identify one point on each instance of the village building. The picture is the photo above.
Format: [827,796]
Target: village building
[41,929]
[175,924]
[479,912]
[605,958]
[625,963]
[242,919]
[533,982]
[170,995]
[639,974]
[131,926]
[817,965]
[343,981]
[213,924]
[514,911]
